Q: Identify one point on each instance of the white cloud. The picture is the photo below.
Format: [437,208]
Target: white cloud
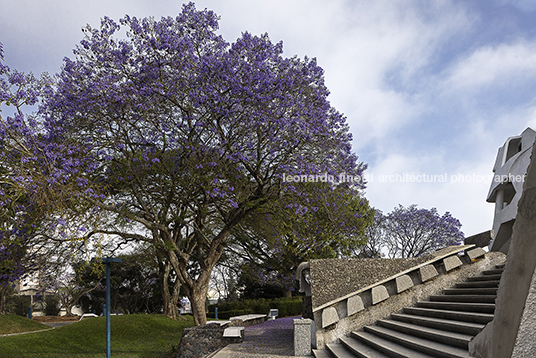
[494,66]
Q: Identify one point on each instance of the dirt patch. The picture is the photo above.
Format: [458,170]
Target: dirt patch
[48,319]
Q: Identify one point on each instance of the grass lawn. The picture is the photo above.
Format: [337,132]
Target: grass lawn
[132,336]
[15,324]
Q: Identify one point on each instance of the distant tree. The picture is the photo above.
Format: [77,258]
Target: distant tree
[412,232]
[375,234]
[224,278]
[134,285]
[62,280]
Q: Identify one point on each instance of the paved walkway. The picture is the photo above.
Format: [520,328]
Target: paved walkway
[271,339]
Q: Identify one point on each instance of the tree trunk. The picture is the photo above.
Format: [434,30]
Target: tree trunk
[170,298]
[69,310]
[3,292]
[197,299]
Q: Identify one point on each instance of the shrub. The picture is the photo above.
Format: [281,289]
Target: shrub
[20,305]
[52,306]
[291,306]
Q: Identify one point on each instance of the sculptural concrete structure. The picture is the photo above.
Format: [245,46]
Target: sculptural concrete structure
[509,170]
[512,331]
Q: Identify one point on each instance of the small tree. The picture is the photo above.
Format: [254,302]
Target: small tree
[412,232]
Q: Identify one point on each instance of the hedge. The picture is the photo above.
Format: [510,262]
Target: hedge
[291,306]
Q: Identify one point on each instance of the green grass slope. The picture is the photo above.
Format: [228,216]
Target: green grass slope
[16,324]
[132,336]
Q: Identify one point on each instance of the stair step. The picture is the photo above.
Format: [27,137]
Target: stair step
[459,306]
[455,339]
[444,324]
[322,353]
[388,347]
[338,351]
[360,349]
[471,291]
[424,346]
[473,317]
[500,265]
[478,284]
[495,277]
[464,298]
[493,271]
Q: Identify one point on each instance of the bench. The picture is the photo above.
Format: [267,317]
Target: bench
[87,315]
[233,332]
[247,320]
[274,312]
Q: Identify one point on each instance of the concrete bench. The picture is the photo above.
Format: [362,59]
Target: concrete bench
[220,323]
[274,312]
[233,332]
[247,320]
[87,315]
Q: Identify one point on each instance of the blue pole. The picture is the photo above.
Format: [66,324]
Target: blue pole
[216,315]
[30,312]
[108,308]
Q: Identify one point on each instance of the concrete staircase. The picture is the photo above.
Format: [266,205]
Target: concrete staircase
[440,327]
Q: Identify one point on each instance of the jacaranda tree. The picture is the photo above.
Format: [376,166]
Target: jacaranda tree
[21,209]
[412,232]
[180,135]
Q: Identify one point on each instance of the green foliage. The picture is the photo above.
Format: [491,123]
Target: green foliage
[52,305]
[291,306]
[19,305]
[272,243]
[134,286]
[132,336]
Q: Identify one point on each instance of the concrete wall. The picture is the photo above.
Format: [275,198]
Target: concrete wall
[525,345]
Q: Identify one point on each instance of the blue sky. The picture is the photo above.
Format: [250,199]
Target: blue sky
[430,89]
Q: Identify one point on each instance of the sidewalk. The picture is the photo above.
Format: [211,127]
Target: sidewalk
[271,339]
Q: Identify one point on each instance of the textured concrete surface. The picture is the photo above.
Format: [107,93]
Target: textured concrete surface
[452,262]
[302,337]
[403,283]
[525,345]
[476,253]
[354,305]
[379,293]
[352,275]
[481,240]
[427,272]
[329,316]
